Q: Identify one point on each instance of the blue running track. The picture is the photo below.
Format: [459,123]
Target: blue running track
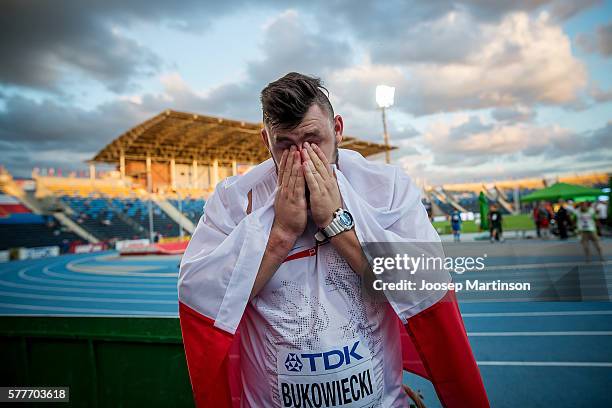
[532,354]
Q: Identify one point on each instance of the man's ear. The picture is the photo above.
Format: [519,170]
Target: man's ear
[264,138]
[338,128]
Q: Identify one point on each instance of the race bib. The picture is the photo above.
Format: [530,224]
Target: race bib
[585,224]
[340,376]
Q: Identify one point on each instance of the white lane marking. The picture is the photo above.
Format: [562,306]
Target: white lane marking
[77,277]
[545,363]
[540,333]
[545,265]
[87,290]
[144,283]
[536,274]
[540,314]
[86,299]
[72,266]
[125,313]
[510,299]
[116,256]
[535,277]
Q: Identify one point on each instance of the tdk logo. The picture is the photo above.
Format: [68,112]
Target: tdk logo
[293,363]
[329,360]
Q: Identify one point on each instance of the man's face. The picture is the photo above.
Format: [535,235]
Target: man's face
[315,128]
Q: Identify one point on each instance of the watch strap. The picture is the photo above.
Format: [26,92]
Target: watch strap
[320,236]
[334,228]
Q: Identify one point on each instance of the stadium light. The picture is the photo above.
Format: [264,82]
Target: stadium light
[384,98]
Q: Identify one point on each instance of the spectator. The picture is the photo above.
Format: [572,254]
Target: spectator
[495,222]
[588,230]
[536,219]
[544,220]
[455,219]
[562,219]
[601,215]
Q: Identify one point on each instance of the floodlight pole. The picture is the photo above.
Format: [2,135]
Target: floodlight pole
[150,202]
[180,203]
[386,136]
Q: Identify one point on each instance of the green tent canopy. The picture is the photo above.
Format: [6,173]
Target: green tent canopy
[562,190]
[483,204]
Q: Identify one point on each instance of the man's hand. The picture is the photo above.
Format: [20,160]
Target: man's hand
[290,205]
[322,184]
[290,216]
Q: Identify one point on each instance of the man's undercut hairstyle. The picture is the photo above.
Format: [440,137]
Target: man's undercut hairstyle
[285,101]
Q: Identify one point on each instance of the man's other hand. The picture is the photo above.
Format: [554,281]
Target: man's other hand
[324,192]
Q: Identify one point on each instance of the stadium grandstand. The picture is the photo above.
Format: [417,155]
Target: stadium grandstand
[506,194]
[163,171]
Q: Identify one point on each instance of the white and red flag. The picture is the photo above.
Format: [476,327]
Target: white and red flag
[219,268]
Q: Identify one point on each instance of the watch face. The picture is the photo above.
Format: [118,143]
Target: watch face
[346,219]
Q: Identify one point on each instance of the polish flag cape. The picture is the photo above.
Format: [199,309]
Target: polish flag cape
[219,267]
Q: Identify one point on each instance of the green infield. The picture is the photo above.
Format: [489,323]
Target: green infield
[510,223]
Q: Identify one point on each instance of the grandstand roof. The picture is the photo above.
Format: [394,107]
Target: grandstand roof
[188,136]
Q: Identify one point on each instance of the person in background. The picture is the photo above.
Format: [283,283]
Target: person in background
[536,220]
[585,219]
[455,219]
[562,218]
[495,221]
[601,215]
[544,220]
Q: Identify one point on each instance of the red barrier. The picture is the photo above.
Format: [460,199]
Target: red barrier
[166,248]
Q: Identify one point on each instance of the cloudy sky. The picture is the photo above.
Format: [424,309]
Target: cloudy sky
[485,89]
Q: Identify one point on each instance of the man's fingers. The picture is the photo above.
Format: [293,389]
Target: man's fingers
[313,184]
[319,167]
[288,166]
[281,166]
[300,182]
[313,170]
[295,171]
[322,157]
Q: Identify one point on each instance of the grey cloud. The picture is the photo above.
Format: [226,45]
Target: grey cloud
[291,46]
[565,9]
[472,126]
[514,114]
[48,134]
[287,46]
[30,128]
[43,41]
[600,95]
[599,41]
[52,125]
[461,147]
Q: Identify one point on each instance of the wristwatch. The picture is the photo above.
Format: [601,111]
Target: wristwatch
[342,221]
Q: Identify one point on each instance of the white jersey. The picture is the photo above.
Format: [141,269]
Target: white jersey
[602,210]
[311,338]
[310,335]
[586,220]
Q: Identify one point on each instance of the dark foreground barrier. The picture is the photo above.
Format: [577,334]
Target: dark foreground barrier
[106,361]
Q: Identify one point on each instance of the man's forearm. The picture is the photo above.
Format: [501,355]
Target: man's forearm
[279,245]
[348,246]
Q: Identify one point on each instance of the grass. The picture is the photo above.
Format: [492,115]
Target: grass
[510,223]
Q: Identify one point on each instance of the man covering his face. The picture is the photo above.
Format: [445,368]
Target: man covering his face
[273,305]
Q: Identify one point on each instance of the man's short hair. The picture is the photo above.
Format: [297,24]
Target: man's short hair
[285,101]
